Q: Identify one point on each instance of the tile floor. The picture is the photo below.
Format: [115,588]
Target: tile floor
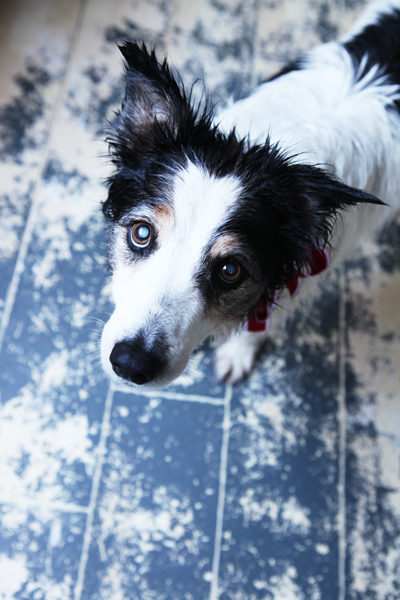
[286,487]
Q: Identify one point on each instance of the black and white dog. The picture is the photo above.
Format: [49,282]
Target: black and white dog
[212,218]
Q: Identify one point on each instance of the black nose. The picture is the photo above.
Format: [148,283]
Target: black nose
[132,361]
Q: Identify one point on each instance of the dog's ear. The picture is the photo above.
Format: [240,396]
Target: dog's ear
[292,210]
[315,209]
[153,101]
[323,197]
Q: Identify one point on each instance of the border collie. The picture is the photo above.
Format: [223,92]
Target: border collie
[215,219]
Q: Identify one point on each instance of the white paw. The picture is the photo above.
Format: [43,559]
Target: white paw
[235,358]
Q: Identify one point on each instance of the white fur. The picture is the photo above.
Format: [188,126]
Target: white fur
[317,114]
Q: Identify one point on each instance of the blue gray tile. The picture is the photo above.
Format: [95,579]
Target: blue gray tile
[155,516]
[285,487]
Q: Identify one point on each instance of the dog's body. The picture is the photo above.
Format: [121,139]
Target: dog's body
[211,216]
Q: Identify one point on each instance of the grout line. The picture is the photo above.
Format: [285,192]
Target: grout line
[101,450]
[60,507]
[342,414]
[226,425]
[173,396]
[31,220]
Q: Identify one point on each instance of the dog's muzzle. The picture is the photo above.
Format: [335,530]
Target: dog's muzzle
[132,361]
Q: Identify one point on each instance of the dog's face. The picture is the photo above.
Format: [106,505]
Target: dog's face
[201,226]
[177,276]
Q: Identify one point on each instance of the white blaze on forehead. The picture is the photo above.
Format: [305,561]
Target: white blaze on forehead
[202,202]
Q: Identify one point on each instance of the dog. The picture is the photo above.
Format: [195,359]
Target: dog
[215,219]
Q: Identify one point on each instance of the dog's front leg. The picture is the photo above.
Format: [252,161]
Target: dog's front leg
[235,358]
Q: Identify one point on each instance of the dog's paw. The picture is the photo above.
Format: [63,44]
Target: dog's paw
[235,358]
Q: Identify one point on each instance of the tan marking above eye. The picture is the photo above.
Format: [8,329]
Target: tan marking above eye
[226,244]
[163,212]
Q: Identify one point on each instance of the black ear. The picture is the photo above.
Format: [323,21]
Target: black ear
[291,209]
[153,101]
[315,208]
[322,198]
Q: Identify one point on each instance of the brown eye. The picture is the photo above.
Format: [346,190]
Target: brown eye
[141,234]
[231,271]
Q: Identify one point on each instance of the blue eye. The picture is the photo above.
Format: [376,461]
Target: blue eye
[141,234]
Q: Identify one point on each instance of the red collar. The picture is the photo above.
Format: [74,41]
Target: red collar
[260,319]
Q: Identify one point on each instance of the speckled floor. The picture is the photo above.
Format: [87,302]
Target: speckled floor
[286,487]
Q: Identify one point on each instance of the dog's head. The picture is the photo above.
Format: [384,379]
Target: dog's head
[202,225]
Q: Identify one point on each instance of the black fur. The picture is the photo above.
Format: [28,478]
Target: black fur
[295,65]
[286,208]
[378,45]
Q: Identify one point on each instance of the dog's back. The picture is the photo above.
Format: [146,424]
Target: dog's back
[338,106]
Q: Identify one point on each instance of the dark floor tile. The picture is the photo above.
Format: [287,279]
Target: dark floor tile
[40,552]
[280,525]
[155,521]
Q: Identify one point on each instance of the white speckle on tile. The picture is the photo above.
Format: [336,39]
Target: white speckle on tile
[322,549]
[285,515]
[296,516]
[13,575]
[260,585]
[83,394]
[283,586]
[123,411]
[55,537]
[254,510]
